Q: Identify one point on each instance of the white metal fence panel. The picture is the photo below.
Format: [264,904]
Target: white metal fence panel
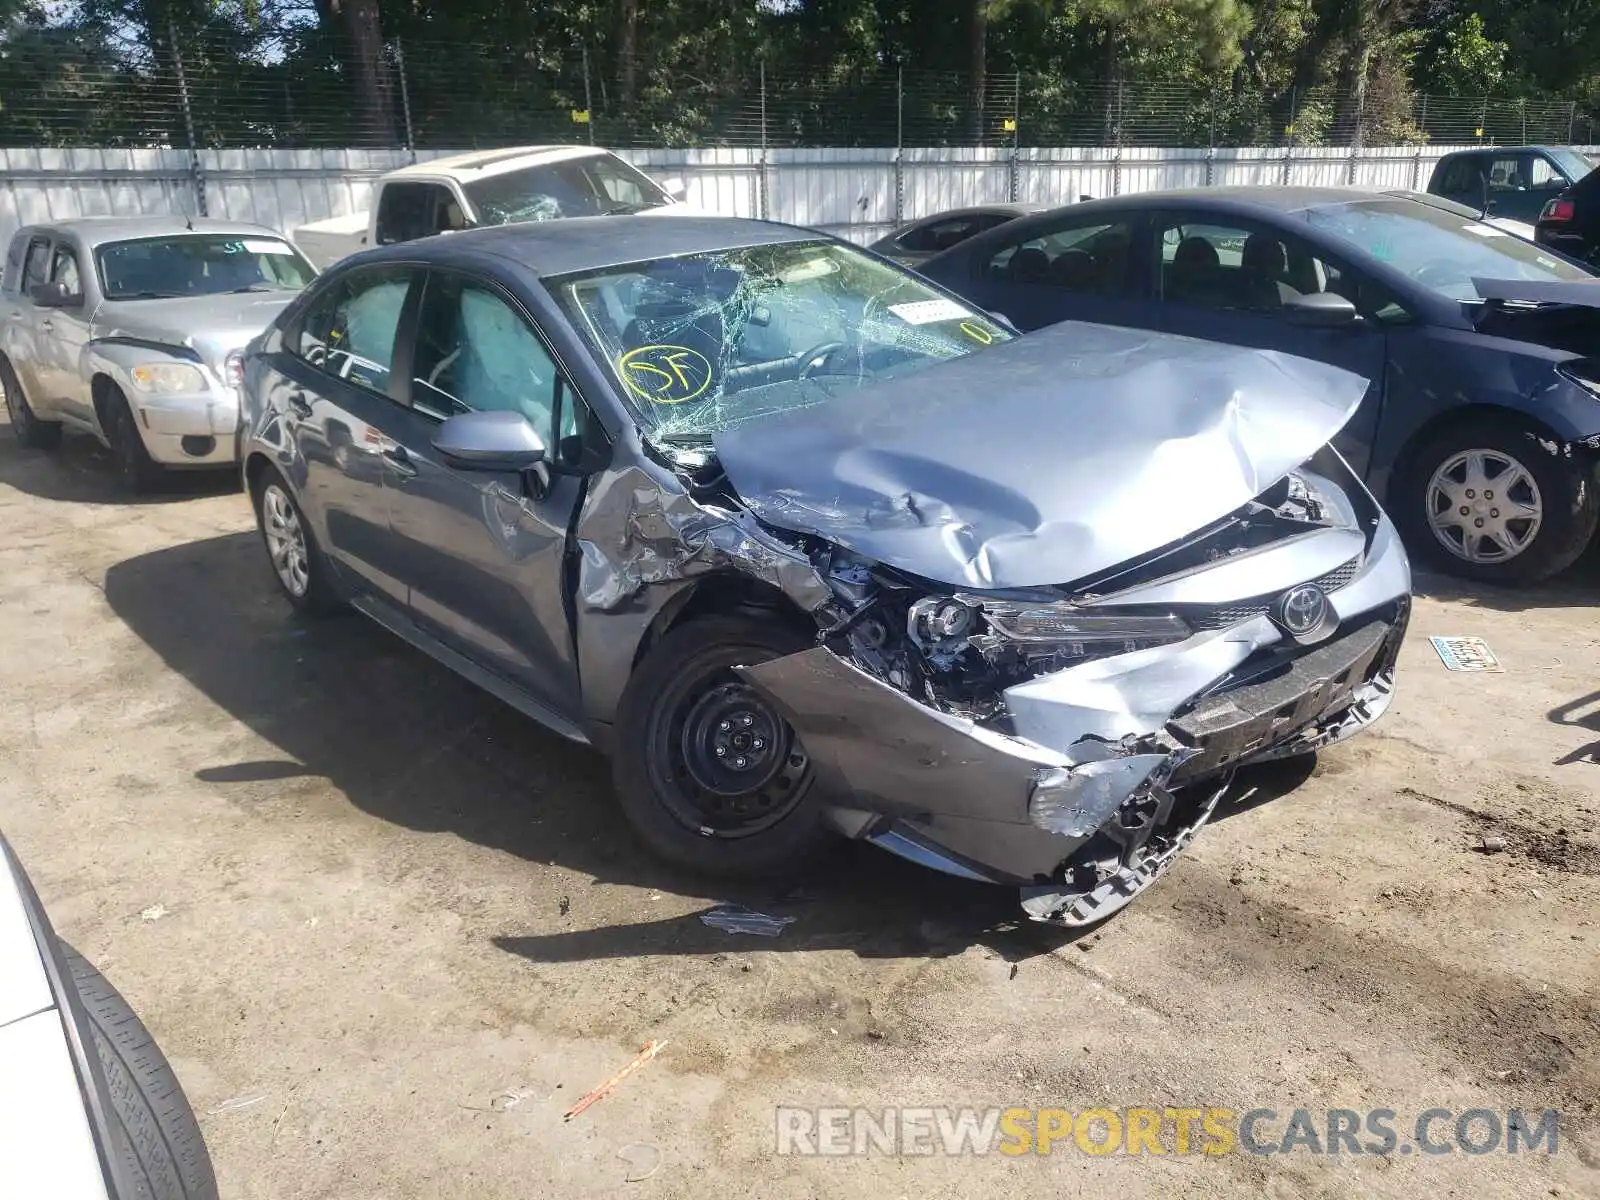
[857,193]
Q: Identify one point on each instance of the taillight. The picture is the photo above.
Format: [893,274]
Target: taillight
[233,368]
[1558,210]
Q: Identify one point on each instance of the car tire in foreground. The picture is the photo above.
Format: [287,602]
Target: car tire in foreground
[1487,500]
[296,560]
[137,471]
[710,775]
[27,428]
[153,1129]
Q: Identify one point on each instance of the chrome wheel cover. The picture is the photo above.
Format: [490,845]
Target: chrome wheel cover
[286,540]
[1484,506]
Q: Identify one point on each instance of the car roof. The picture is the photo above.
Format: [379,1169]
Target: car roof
[974,210]
[95,231]
[574,244]
[1240,200]
[479,164]
[1530,149]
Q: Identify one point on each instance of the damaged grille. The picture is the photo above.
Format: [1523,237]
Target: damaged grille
[1229,726]
[1223,616]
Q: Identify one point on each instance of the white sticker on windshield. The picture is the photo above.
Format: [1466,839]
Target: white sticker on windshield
[262,246]
[1485,230]
[926,312]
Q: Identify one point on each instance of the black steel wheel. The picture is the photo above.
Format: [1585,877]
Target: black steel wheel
[710,774]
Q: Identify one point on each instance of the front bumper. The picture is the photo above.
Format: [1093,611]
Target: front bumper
[1103,776]
[196,430]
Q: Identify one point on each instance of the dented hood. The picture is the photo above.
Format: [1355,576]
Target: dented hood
[1042,460]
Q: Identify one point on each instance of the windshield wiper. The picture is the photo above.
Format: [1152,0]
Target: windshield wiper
[147,296]
[619,210]
[252,287]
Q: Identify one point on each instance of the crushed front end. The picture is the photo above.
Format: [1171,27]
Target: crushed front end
[1072,740]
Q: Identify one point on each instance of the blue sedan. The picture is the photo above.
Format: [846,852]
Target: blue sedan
[1480,430]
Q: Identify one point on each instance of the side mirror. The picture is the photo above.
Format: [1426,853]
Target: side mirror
[675,187]
[490,441]
[1000,319]
[53,295]
[1321,310]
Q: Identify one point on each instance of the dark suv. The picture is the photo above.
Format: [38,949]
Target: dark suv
[1513,182]
[1570,223]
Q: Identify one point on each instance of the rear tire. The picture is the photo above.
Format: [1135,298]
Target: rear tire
[153,1130]
[1432,492]
[709,774]
[25,426]
[298,564]
[138,473]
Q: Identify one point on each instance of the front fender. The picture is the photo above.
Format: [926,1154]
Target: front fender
[115,358]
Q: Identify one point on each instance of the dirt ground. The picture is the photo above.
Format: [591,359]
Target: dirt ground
[387,930]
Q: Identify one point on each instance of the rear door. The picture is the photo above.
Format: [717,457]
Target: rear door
[483,552]
[1229,280]
[22,321]
[340,400]
[1078,269]
[63,335]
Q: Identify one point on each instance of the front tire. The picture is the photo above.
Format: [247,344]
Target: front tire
[153,1130]
[25,426]
[710,775]
[1484,500]
[138,473]
[297,562]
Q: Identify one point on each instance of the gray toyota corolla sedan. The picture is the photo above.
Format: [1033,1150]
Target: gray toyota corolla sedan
[813,548]
[130,329]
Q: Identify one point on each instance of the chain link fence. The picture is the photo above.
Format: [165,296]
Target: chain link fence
[301,87]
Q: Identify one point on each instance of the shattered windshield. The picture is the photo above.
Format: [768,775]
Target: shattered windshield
[199,264]
[1439,249]
[705,341]
[577,187]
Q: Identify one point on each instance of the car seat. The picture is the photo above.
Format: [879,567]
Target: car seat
[1193,275]
[1030,265]
[1264,266]
[1075,270]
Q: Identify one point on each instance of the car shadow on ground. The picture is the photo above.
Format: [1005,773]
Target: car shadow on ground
[407,741]
[1582,713]
[81,471]
[1576,587]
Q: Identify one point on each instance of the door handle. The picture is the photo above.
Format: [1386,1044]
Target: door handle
[299,405]
[399,461]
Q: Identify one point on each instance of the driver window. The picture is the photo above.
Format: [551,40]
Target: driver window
[408,211]
[475,353]
[64,270]
[1542,175]
[1258,269]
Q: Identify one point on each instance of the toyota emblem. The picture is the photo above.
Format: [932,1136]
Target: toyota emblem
[1302,611]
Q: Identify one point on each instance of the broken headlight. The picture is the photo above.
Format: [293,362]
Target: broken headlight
[1071,631]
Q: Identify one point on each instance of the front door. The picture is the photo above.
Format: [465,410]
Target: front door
[1232,282]
[335,391]
[483,552]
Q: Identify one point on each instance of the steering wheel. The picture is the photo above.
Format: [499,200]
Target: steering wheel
[1440,272]
[814,359]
